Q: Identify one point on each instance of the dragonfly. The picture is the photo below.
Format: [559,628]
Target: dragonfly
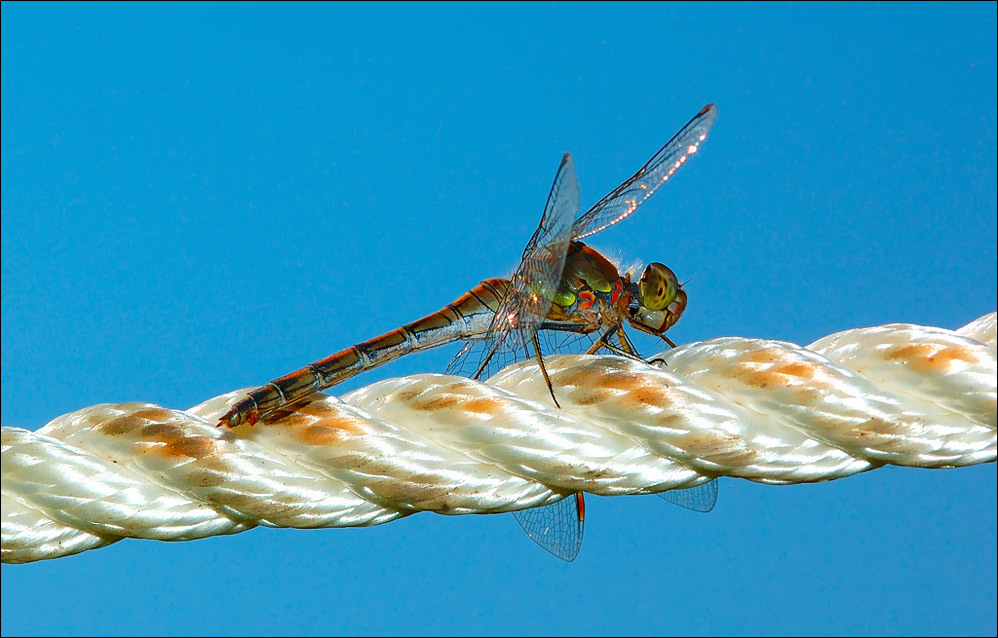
[561,286]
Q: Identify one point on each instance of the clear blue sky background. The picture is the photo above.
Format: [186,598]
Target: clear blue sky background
[198,198]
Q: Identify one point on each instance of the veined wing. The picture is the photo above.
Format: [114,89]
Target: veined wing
[628,196]
[626,199]
[564,342]
[532,286]
[701,498]
[558,527]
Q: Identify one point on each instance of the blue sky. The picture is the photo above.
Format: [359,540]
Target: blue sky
[198,198]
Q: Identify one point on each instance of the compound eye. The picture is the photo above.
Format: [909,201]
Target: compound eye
[658,286]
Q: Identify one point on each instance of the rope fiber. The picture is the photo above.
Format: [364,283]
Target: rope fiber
[766,411]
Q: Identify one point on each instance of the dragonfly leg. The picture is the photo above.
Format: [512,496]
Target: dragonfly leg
[661,360]
[540,361]
[626,348]
[626,344]
[485,362]
[602,341]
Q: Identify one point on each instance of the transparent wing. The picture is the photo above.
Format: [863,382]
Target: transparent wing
[564,342]
[558,527]
[483,358]
[701,498]
[532,286]
[628,196]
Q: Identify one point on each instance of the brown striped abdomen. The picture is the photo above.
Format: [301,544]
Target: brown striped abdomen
[467,317]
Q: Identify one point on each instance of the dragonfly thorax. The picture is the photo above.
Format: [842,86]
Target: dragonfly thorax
[591,292]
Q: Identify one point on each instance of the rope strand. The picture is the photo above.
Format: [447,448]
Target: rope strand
[766,411]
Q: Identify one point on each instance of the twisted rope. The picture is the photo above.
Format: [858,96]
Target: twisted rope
[766,411]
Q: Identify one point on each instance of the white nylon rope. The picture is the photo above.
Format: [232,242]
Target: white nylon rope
[766,411]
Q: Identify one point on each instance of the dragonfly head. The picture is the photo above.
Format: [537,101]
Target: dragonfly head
[660,300]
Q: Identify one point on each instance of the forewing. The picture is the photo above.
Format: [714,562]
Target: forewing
[558,527]
[701,498]
[532,286]
[628,196]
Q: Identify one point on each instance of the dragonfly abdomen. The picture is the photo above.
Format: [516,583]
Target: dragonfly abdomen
[468,317]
